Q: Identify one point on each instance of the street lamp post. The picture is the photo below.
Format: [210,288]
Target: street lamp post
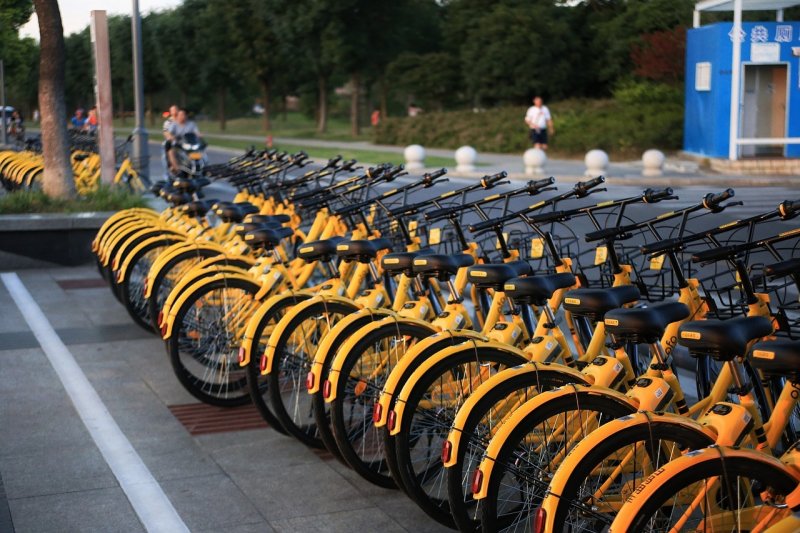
[141,158]
[3,139]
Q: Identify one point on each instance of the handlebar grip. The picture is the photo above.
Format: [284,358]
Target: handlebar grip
[392,173]
[712,201]
[437,214]
[535,185]
[348,165]
[542,218]
[603,234]
[583,187]
[482,226]
[429,177]
[652,196]
[789,209]
[332,161]
[489,181]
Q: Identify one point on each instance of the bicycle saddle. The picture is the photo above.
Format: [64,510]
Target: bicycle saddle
[723,339]
[397,262]
[157,186]
[644,324]
[246,227]
[441,266]
[494,276]
[236,212]
[267,238]
[779,357]
[362,251]
[322,250]
[536,290]
[595,303]
[197,208]
[176,198]
[267,218]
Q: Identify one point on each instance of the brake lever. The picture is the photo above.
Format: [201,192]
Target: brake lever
[601,189]
[543,190]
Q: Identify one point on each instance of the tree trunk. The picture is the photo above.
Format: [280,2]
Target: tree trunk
[121,110]
[222,109]
[265,103]
[384,96]
[57,180]
[355,127]
[322,105]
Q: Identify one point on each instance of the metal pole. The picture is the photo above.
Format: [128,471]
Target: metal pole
[736,70]
[141,158]
[3,102]
[102,91]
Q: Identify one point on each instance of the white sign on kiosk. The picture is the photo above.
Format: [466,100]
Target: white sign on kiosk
[765,52]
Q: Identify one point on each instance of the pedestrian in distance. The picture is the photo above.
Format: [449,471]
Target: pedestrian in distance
[540,122]
[78,120]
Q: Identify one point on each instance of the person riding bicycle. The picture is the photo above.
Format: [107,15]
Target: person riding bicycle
[169,117]
[179,128]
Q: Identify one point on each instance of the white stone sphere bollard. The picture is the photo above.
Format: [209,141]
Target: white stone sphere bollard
[653,163]
[596,163]
[535,159]
[415,157]
[466,156]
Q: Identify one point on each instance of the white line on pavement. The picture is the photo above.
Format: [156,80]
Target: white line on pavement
[142,490]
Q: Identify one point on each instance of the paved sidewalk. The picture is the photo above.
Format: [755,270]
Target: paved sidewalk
[677,172]
[53,478]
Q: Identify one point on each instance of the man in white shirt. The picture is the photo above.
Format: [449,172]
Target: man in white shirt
[539,121]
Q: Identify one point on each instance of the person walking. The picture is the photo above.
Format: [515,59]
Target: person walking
[540,122]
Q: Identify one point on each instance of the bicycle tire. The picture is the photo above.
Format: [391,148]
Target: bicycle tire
[758,472]
[221,392]
[359,442]
[258,384]
[291,366]
[133,285]
[463,507]
[532,488]
[424,430]
[572,509]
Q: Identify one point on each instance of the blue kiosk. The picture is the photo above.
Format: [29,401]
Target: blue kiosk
[743,83]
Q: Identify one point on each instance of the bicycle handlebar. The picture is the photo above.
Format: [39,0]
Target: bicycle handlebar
[712,201]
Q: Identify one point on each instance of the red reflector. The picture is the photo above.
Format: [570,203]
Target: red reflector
[163,330]
[539,520]
[160,317]
[144,287]
[263,364]
[391,420]
[118,275]
[377,410]
[447,449]
[241,354]
[326,389]
[310,380]
[477,481]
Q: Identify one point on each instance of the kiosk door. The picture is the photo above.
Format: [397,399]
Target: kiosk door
[764,108]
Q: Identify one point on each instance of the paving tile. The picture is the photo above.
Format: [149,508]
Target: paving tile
[256,527]
[210,502]
[102,511]
[5,513]
[371,519]
[56,471]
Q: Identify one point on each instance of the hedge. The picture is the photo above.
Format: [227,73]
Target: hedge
[624,127]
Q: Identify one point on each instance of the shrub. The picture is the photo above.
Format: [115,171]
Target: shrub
[642,116]
[105,198]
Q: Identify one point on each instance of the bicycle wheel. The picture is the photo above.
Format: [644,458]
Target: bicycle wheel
[430,410]
[476,433]
[601,476]
[716,489]
[133,285]
[204,344]
[322,410]
[295,348]
[258,384]
[362,377]
[533,451]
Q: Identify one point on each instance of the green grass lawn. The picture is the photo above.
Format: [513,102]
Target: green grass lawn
[296,125]
[362,156]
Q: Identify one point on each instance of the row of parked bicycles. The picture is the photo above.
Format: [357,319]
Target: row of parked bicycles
[23,170]
[505,370]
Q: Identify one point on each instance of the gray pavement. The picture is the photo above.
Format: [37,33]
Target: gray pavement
[55,479]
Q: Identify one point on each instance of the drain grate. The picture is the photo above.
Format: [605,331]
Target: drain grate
[92,283]
[202,419]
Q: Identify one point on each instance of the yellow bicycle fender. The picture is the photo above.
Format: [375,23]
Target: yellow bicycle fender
[283,323]
[427,345]
[245,352]
[123,232]
[130,242]
[126,263]
[367,315]
[118,218]
[596,438]
[441,355]
[185,295]
[657,479]
[454,438]
[172,252]
[518,416]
